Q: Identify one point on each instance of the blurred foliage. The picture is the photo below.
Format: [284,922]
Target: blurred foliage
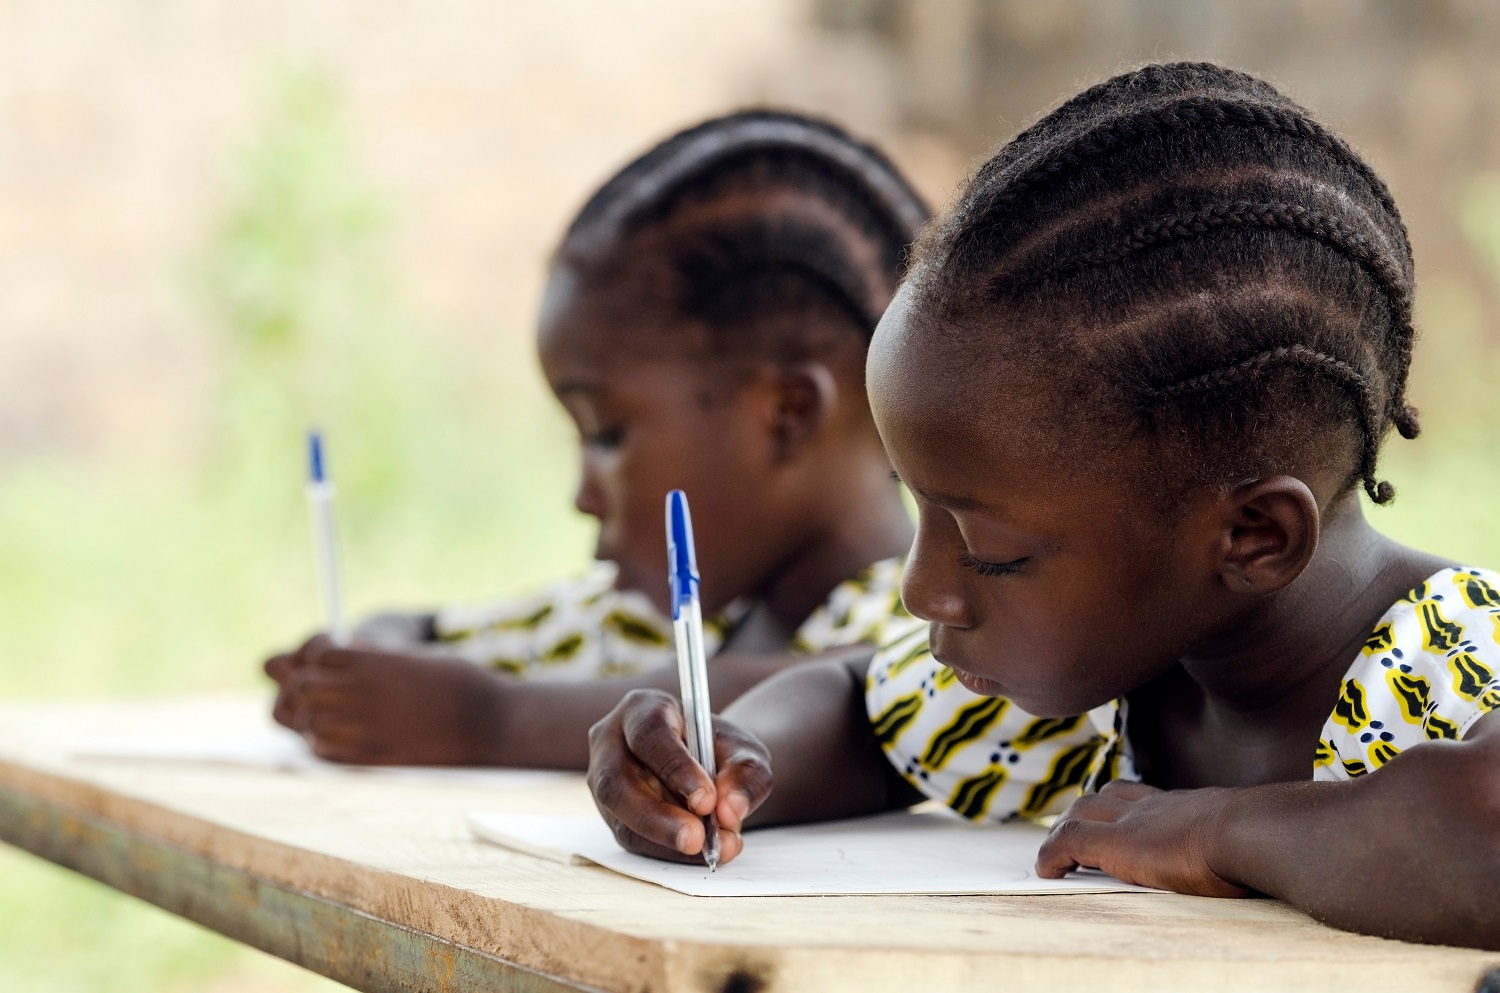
[1443,478]
[304,232]
[119,575]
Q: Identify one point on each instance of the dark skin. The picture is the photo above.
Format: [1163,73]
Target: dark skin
[1226,628]
[786,453]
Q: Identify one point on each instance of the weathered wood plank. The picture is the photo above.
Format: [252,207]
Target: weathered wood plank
[392,865]
[354,948]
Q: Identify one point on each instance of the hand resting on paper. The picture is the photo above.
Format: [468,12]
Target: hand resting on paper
[1144,835]
[808,724]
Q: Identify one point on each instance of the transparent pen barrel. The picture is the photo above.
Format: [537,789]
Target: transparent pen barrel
[325,544]
[694,678]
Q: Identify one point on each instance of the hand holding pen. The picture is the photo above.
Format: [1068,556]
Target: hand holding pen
[692,662]
[652,756]
[655,796]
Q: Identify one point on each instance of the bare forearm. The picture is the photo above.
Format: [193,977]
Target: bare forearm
[1410,852]
[546,725]
[824,756]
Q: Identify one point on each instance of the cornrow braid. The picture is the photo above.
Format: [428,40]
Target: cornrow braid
[1191,189]
[1174,115]
[851,251]
[1341,372]
[1315,224]
[1147,78]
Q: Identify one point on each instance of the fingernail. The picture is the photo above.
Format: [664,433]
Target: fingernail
[684,835]
[697,799]
[740,804]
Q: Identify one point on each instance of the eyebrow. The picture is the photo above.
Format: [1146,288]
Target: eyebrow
[942,500]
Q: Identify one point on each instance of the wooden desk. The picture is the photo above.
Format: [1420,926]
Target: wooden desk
[376,883]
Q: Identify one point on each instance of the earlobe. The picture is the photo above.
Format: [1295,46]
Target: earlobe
[1270,532]
[807,396]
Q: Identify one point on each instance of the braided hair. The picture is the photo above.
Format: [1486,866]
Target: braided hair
[750,217]
[1218,271]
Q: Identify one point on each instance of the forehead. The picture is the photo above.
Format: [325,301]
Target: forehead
[608,321]
[960,419]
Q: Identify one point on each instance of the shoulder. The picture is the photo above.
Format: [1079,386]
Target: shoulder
[589,593]
[864,609]
[576,628]
[1429,671]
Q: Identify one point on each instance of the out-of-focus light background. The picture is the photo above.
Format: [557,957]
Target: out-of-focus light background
[222,221]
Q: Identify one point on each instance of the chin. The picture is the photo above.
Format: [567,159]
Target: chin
[1037,705]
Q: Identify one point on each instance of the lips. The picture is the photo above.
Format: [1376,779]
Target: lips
[939,643]
[977,684]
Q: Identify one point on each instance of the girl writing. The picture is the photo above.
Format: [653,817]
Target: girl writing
[1137,380]
[705,326]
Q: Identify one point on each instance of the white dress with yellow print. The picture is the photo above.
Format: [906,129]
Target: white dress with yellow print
[983,756]
[583,629]
[1429,671]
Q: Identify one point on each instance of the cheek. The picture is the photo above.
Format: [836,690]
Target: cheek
[1078,632]
[699,456]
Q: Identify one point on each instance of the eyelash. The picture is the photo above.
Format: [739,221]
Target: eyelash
[969,562]
[605,439]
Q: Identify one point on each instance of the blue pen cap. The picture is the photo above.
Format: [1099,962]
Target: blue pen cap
[315,456]
[682,561]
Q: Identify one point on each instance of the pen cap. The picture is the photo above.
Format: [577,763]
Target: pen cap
[682,562]
[315,468]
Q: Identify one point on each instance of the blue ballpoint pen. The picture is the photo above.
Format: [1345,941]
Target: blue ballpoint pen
[325,537]
[692,664]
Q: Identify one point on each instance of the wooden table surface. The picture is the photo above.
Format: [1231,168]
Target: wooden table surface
[374,881]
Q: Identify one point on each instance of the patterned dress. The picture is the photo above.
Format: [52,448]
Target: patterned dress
[585,629]
[1428,671]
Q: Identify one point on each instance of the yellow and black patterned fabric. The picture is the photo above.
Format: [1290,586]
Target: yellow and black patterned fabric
[983,756]
[1429,670]
[582,629]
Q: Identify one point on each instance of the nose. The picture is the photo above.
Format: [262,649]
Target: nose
[932,587]
[589,498]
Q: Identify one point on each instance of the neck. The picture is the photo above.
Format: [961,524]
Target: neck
[1281,660]
[864,523]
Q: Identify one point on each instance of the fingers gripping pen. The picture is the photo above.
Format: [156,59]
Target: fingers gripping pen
[692,665]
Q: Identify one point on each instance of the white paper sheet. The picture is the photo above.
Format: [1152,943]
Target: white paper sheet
[926,852]
[282,750]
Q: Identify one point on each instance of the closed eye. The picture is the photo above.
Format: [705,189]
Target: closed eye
[1010,568]
[609,438]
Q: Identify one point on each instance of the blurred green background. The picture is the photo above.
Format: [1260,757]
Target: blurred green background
[342,220]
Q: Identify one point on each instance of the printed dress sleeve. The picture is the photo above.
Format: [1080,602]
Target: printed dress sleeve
[982,756]
[570,631]
[864,610]
[1429,671]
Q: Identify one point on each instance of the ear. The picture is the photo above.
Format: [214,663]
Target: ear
[1268,534]
[806,396]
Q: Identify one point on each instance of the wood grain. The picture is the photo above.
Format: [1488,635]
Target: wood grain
[398,851]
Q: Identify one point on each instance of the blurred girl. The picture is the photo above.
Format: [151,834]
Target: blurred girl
[705,326]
